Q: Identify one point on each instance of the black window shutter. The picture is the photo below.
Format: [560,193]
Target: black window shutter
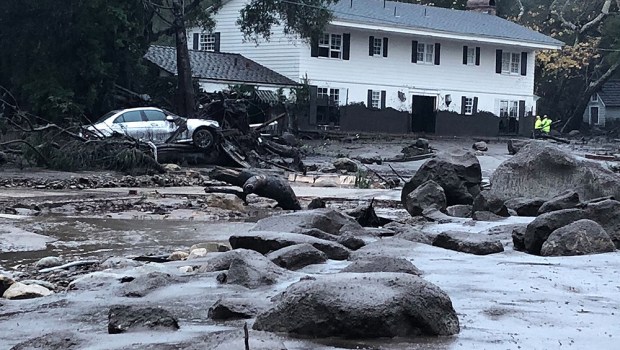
[382,99]
[313,97]
[385,47]
[314,46]
[464,54]
[521,109]
[195,45]
[437,53]
[217,41]
[498,61]
[523,63]
[477,56]
[369,104]
[414,51]
[371,45]
[346,46]
[474,109]
[463,104]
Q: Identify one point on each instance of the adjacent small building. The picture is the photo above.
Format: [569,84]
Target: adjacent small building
[604,106]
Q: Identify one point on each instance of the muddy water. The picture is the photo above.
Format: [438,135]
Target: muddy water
[80,237]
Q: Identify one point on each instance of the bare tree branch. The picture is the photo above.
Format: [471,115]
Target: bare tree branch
[522,9]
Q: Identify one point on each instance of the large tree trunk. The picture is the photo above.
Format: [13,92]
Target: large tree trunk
[575,118]
[185,89]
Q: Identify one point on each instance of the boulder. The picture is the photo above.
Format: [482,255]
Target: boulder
[127,318]
[317,203]
[607,214]
[472,243]
[211,247]
[369,158]
[53,341]
[233,308]
[581,237]
[525,206]
[326,220]
[5,283]
[515,145]
[143,284]
[19,290]
[353,305]
[544,170]
[565,200]
[486,216]
[459,176]
[518,238]
[266,241]
[296,256]
[47,262]
[539,230]
[459,210]
[383,264]
[226,202]
[480,146]
[253,272]
[419,147]
[46,284]
[222,261]
[393,247]
[427,195]
[350,241]
[119,263]
[488,201]
[434,215]
[172,167]
[346,164]
[410,232]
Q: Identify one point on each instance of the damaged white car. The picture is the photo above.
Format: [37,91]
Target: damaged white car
[155,125]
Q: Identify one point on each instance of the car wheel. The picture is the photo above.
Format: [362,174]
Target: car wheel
[203,138]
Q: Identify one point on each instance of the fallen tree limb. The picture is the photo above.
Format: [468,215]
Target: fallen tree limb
[69,265]
[34,149]
[265,124]
[410,159]
[396,173]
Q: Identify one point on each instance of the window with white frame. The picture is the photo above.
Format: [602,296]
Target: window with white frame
[594,98]
[511,63]
[330,45]
[508,108]
[377,47]
[322,93]
[334,96]
[471,55]
[469,105]
[376,99]
[426,53]
[206,42]
[327,94]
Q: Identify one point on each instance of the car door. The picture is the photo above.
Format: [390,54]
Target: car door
[130,123]
[158,129]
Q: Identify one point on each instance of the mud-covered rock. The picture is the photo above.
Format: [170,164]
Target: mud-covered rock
[369,158]
[581,237]
[317,203]
[410,232]
[53,341]
[233,308]
[326,220]
[266,241]
[565,200]
[525,206]
[539,230]
[515,145]
[126,318]
[19,291]
[466,242]
[488,201]
[296,256]
[383,264]
[372,305]
[225,201]
[5,283]
[459,210]
[346,164]
[222,261]
[486,216]
[427,195]
[350,241]
[393,247]
[47,262]
[253,272]
[518,238]
[143,284]
[480,146]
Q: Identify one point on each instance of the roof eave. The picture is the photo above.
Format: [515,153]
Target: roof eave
[447,35]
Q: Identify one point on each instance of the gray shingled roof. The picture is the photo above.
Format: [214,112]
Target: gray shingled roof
[218,66]
[610,93]
[436,19]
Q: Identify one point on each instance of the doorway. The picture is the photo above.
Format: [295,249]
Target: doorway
[593,115]
[423,114]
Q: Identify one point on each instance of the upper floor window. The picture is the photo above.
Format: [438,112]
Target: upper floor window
[206,42]
[511,63]
[377,47]
[330,45]
[471,55]
[426,53]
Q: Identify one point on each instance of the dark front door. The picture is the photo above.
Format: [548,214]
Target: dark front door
[593,115]
[423,114]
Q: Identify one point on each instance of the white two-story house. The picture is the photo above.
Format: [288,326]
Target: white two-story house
[413,58]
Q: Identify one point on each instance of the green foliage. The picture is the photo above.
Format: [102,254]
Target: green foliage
[362,180]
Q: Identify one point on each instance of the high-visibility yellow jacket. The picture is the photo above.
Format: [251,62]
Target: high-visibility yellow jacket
[546,125]
[538,124]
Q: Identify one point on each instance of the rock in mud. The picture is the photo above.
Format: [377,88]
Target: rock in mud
[351,242]
[226,202]
[411,233]
[296,256]
[346,164]
[525,206]
[50,261]
[480,146]
[326,220]
[515,145]
[369,305]
[565,200]
[5,283]
[486,216]
[487,201]
[233,308]
[211,247]
[317,203]
[393,247]
[119,263]
[178,255]
[607,214]
[126,318]
[459,210]
[459,176]
[265,242]
[369,158]
[253,272]
[472,243]
[544,170]
[273,187]
[19,291]
[52,341]
[518,238]
[427,195]
[539,230]
[222,261]
[383,264]
[144,284]
[581,237]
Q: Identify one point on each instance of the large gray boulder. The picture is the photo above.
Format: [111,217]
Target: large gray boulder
[607,214]
[525,206]
[222,261]
[58,340]
[566,200]
[472,243]
[265,242]
[459,176]
[126,318]
[326,220]
[353,305]
[296,256]
[143,284]
[427,195]
[544,170]
[20,290]
[581,237]
[253,272]
[383,264]
[234,308]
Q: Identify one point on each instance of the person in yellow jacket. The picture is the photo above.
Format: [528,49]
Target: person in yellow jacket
[537,127]
[546,125]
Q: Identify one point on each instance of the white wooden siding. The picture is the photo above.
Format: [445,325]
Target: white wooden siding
[602,112]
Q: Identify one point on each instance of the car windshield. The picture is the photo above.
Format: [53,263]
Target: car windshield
[106,116]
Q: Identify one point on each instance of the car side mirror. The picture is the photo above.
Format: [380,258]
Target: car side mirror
[169,118]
